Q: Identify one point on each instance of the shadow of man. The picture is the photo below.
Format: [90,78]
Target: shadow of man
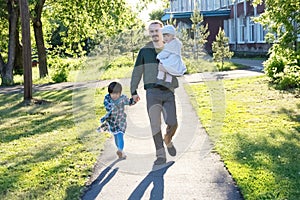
[156,176]
[96,187]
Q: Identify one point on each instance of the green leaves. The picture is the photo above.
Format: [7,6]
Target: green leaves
[282,18]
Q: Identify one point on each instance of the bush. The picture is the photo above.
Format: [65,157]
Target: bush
[273,66]
[283,68]
[60,67]
[289,78]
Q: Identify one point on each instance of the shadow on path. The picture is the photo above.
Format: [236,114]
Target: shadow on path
[157,178]
[97,185]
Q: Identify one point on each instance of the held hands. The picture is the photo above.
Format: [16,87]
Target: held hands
[135,98]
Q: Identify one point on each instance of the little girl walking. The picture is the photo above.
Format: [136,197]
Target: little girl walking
[115,119]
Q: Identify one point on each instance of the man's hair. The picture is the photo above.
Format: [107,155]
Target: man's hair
[156,22]
[114,87]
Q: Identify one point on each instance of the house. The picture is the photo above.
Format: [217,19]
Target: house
[245,36]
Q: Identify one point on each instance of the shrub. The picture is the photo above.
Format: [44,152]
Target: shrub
[273,66]
[60,67]
[289,78]
[283,68]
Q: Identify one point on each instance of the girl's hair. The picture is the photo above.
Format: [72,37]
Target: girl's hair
[114,87]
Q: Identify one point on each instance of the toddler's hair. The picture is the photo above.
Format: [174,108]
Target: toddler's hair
[114,87]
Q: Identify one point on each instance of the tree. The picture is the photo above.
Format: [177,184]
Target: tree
[200,31]
[7,67]
[156,14]
[36,17]
[220,48]
[25,20]
[282,19]
[187,43]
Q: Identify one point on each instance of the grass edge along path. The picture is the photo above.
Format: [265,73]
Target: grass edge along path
[259,140]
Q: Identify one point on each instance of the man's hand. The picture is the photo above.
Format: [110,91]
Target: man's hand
[135,98]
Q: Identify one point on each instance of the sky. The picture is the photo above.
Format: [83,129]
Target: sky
[144,15]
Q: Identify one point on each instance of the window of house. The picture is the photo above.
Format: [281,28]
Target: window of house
[230,30]
[210,5]
[241,29]
[224,3]
[174,5]
[226,27]
[261,33]
[216,4]
[251,30]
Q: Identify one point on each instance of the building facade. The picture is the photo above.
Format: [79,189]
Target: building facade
[234,16]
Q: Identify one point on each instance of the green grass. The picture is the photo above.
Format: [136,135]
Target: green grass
[230,66]
[259,140]
[201,65]
[46,153]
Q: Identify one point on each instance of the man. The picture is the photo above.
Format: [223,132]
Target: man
[160,99]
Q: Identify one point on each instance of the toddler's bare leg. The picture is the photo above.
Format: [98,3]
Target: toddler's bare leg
[168,78]
[161,75]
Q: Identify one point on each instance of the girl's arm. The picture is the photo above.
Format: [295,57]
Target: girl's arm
[128,101]
[107,103]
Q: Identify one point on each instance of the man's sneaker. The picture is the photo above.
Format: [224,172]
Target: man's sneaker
[121,154]
[160,161]
[171,149]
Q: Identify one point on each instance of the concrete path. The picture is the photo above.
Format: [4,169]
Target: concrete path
[254,64]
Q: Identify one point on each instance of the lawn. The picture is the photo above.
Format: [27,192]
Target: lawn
[255,129]
[46,151]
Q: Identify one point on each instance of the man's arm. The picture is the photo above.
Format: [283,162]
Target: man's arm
[137,73]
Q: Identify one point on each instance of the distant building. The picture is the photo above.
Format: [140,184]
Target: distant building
[245,36]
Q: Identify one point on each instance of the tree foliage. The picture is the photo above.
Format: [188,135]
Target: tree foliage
[82,21]
[156,14]
[85,19]
[282,19]
[220,47]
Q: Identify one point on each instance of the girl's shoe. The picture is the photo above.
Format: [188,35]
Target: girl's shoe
[121,154]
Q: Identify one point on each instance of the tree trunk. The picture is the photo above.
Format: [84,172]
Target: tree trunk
[2,64]
[39,38]
[18,65]
[7,71]
[25,21]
